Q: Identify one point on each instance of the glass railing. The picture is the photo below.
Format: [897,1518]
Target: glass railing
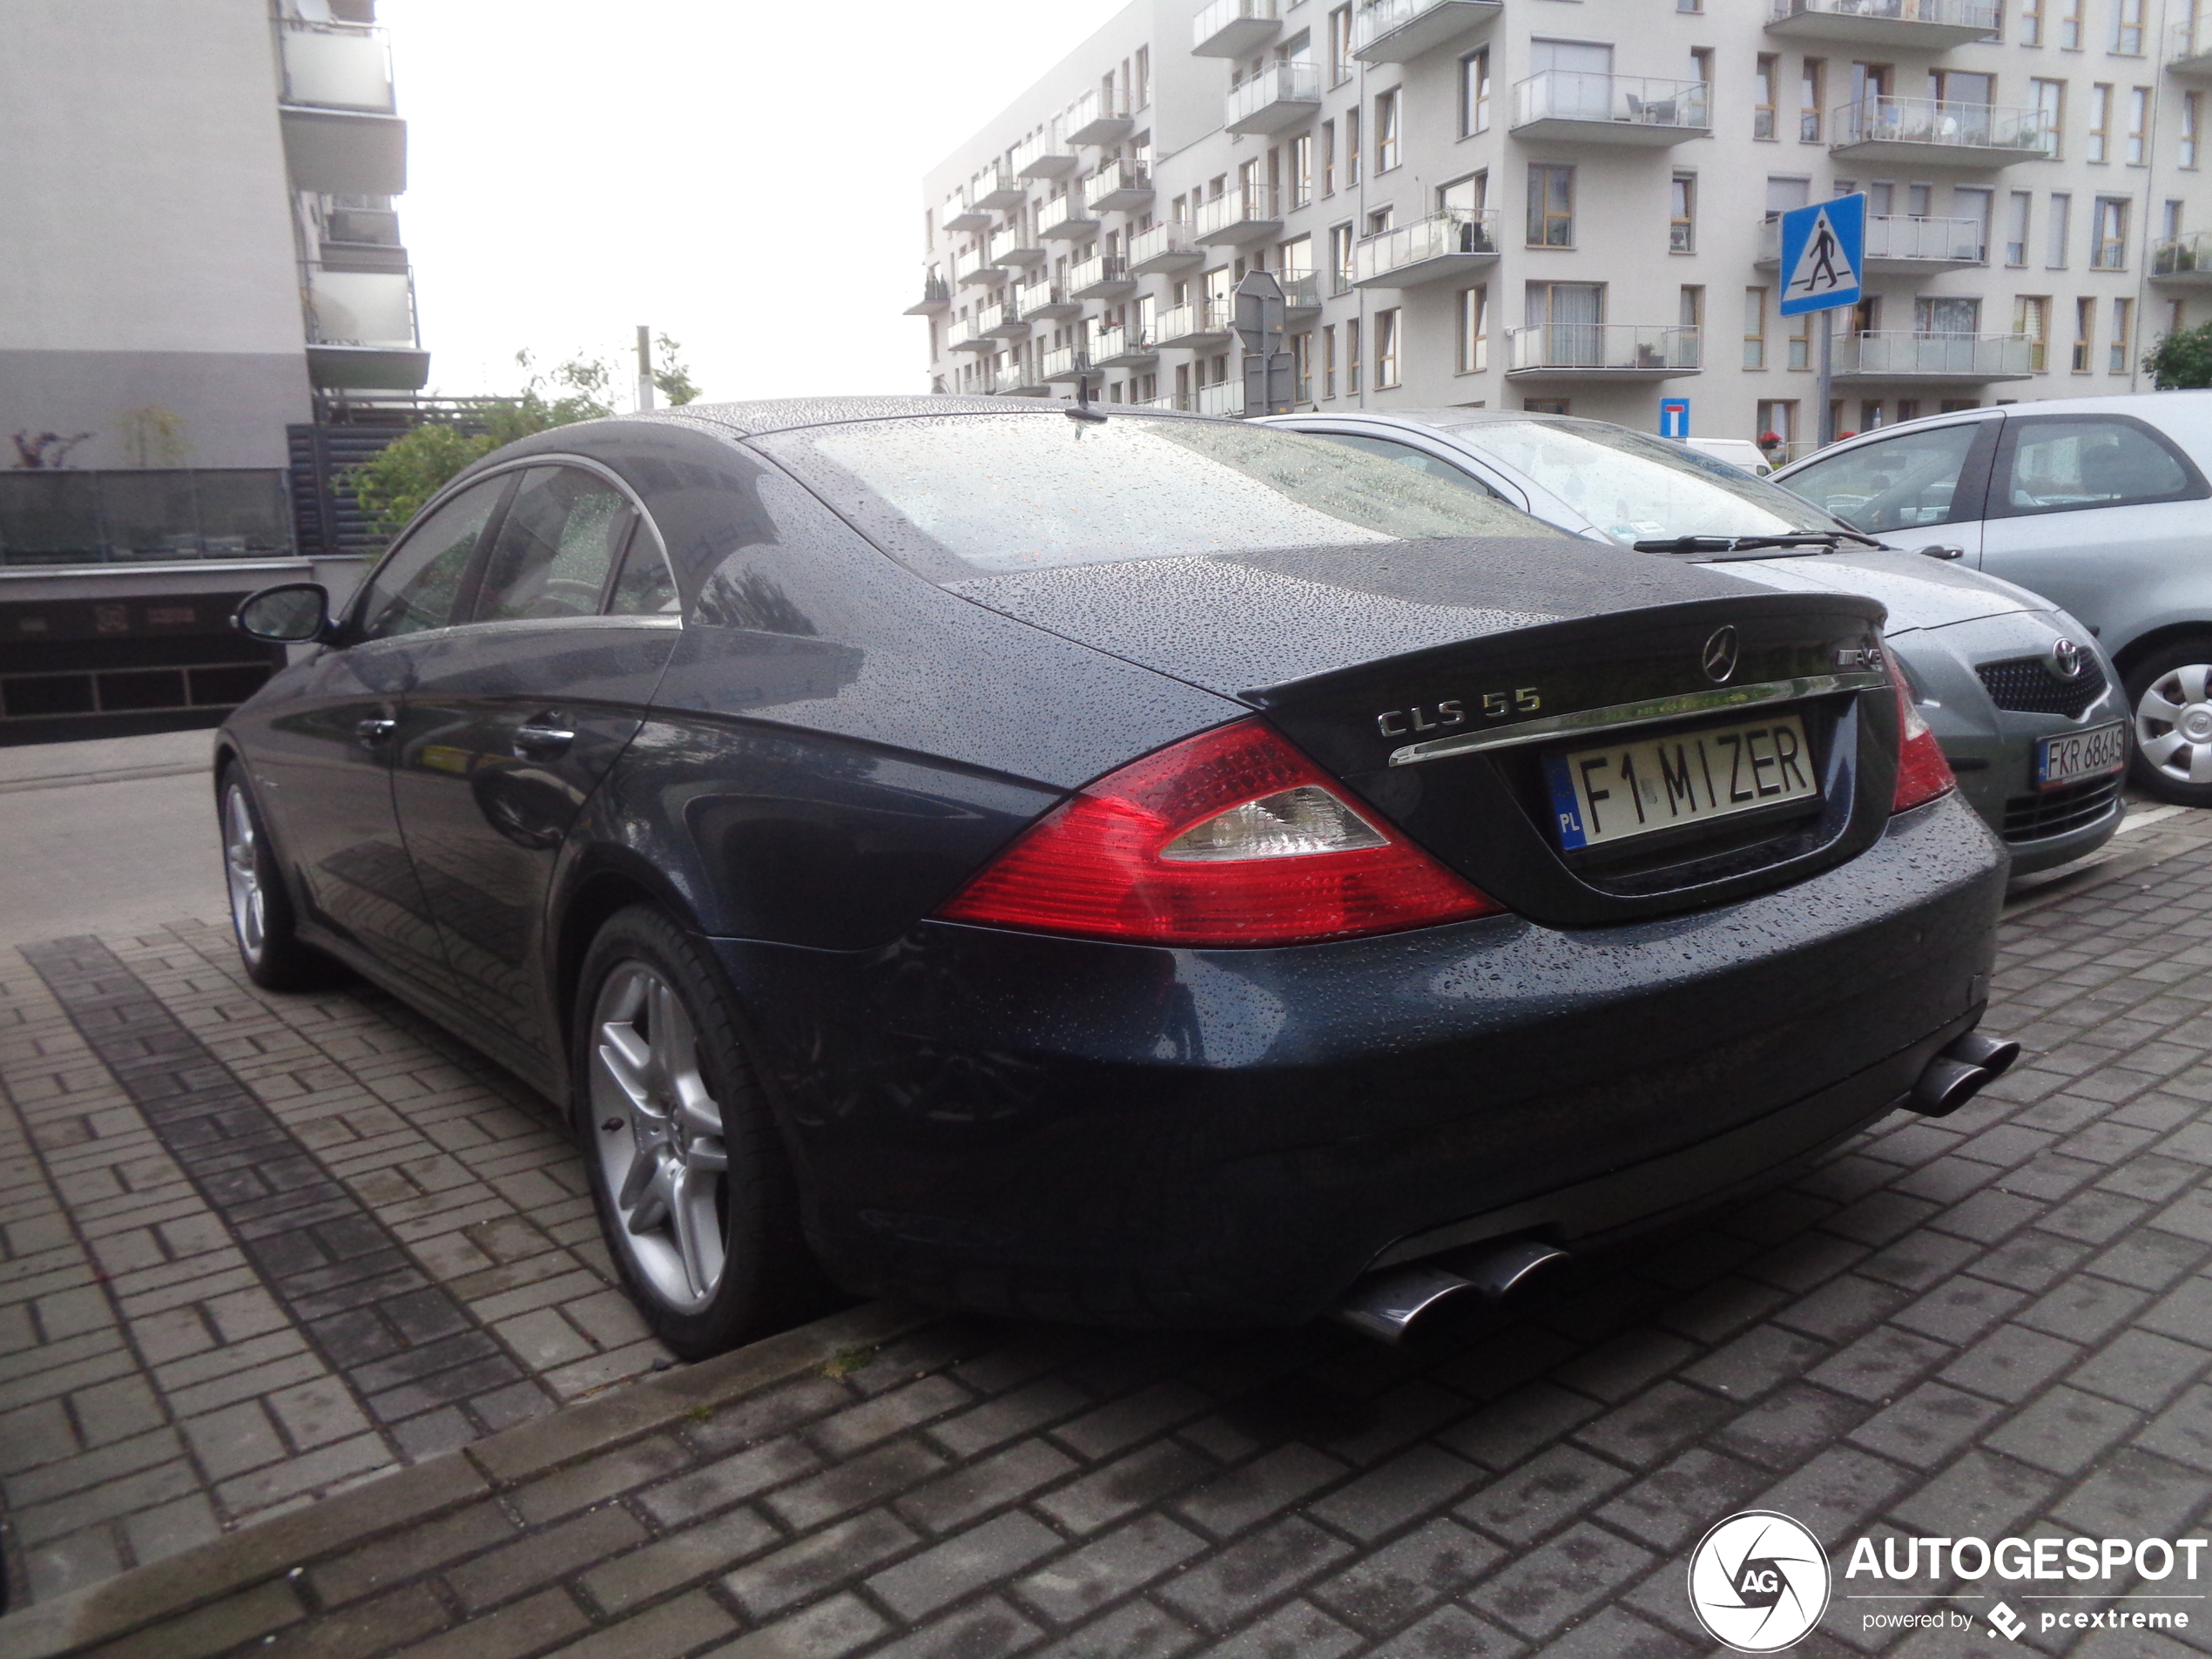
[1896,236]
[1127,340]
[1034,296]
[336,66]
[1004,242]
[1062,210]
[1097,269]
[975,265]
[1602,345]
[1222,397]
[1951,14]
[1967,356]
[1044,154]
[1196,318]
[1928,120]
[1061,363]
[1285,83]
[2180,255]
[959,215]
[1301,289]
[991,318]
[1225,14]
[1115,178]
[1575,95]
[936,290]
[996,186]
[963,332]
[1379,17]
[1094,108]
[2189,43]
[360,307]
[1163,241]
[1238,208]
[1455,231]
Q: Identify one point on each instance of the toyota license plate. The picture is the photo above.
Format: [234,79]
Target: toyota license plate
[2100,751]
[1625,789]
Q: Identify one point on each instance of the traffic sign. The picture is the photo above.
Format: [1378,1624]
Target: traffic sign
[1674,417]
[1262,323]
[1824,254]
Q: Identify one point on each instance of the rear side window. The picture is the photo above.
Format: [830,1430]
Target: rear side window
[1928,478]
[419,586]
[2061,463]
[1406,455]
[556,549]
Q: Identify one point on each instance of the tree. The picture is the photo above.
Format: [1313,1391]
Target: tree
[672,377]
[2182,360]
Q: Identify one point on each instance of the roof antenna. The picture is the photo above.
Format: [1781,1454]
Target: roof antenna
[1083,411]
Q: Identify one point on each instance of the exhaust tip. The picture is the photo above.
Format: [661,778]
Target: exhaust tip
[1387,1306]
[1994,1055]
[1946,1085]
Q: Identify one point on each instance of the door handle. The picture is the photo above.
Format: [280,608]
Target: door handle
[541,739]
[375,731]
[1941,551]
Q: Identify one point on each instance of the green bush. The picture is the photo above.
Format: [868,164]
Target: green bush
[2182,360]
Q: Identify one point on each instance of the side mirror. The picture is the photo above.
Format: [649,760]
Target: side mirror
[291,614]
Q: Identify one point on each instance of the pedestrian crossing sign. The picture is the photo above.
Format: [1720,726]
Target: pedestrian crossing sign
[1824,254]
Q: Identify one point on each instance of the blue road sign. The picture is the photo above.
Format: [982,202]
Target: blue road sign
[1824,254]
[1674,417]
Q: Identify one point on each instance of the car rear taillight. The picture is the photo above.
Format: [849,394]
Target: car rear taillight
[1922,772]
[1229,837]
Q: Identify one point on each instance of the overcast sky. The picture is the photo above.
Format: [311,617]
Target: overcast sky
[744,175]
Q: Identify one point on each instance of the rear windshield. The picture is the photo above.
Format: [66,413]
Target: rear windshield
[1636,488]
[973,494]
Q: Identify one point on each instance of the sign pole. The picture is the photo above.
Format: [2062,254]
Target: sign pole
[1822,253]
[1821,423]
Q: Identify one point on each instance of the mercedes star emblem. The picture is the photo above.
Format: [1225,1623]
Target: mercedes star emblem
[1718,658]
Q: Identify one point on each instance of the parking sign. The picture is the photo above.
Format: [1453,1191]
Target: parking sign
[1823,252]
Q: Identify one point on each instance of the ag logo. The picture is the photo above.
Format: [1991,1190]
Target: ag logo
[1759,1581]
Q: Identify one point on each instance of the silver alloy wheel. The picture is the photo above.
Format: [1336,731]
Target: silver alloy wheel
[2174,723]
[242,874]
[659,1133]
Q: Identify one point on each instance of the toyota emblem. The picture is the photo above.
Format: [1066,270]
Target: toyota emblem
[2066,659]
[1718,658]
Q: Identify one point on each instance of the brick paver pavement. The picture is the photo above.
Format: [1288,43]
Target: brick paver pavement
[1997,1323]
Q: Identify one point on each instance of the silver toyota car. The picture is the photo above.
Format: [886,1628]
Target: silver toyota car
[2024,703]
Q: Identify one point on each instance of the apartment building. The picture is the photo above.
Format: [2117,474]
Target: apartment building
[1571,205]
[201,252]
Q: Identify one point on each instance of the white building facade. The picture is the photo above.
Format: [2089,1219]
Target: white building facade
[1570,206]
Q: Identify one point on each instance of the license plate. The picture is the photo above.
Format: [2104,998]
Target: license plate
[1625,789]
[2093,753]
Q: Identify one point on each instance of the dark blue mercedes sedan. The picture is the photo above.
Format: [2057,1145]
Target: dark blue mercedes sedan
[1106,865]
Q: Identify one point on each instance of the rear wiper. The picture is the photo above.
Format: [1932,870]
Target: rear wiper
[1825,541]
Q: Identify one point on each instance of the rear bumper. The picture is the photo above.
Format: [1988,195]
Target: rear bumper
[1117,1134]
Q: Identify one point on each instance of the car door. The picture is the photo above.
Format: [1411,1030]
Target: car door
[512,719]
[2102,515]
[1924,486]
[1421,457]
[323,761]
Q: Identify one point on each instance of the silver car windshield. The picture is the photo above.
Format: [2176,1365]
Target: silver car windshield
[1636,488]
[1015,492]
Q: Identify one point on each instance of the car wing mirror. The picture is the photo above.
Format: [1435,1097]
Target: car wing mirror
[1938,551]
[292,613]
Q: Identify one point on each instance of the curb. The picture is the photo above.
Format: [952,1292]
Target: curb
[177,1585]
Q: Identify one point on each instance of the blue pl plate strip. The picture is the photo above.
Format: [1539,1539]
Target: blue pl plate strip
[1567,813]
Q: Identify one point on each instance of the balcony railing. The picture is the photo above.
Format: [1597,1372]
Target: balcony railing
[1045,155]
[966,334]
[1900,355]
[1580,97]
[1943,124]
[997,186]
[360,308]
[960,214]
[1103,276]
[1236,216]
[1127,346]
[1045,297]
[936,295]
[1015,246]
[1003,321]
[1603,348]
[1233,28]
[1222,397]
[1933,23]
[2186,256]
[1198,325]
[1064,218]
[1427,249]
[1280,95]
[1063,363]
[336,66]
[1900,238]
[976,266]
[2188,49]
[1164,248]
[1118,187]
[1096,118]
[1301,293]
[1396,32]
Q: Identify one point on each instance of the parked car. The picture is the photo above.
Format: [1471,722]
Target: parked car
[1133,868]
[2099,504]
[1740,453]
[2028,713]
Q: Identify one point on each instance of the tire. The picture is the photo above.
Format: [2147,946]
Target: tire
[696,1194]
[261,915]
[2169,697]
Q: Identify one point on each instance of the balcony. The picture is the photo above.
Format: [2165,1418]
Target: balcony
[1004,321]
[1163,248]
[1015,246]
[1397,31]
[1045,300]
[1063,363]
[1222,397]
[1235,218]
[1103,276]
[1095,118]
[1233,28]
[1443,245]
[2184,262]
[1127,347]
[361,330]
[936,296]
[1301,300]
[1201,326]
[966,334]
[974,268]
[1956,358]
[1602,351]
[1118,187]
[335,66]
[1064,218]
[1280,95]
[1015,380]
[1575,106]
[1897,245]
[960,214]
[997,186]
[344,152]
[1917,25]
[1045,155]
[1938,133]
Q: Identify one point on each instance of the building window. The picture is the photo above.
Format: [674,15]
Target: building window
[1777,427]
[2085,333]
[1340,258]
[1551,205]
[1474,93]
[2127,28]
[2032,317]
[2016,231]
[1690,5]
[1690,309]
[1352,355]
[1340,46]
[1386,131]
[1763,80]
[1755,327]
[2100,146]
[2123,336]
[2061,212]
[1386,348]
[1301,159]
[1681,224]
[2169,222]
[2138,125]
[1381,219]
[1813,94]
[2108,235]
[1140,96]
[1352,145]
[1328,360]
[1328,157]
[1547,405]
[1800,340]
[2050,105]
[2192,126]
[2070,25]
[2030,22]
[1474,330]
